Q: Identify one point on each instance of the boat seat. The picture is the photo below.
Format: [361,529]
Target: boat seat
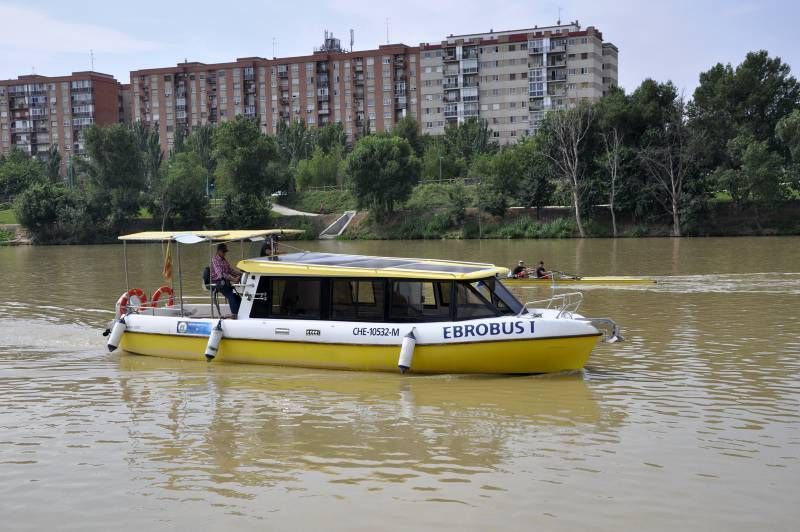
[208,285]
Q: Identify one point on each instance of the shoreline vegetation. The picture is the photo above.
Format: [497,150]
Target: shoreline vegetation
[645,163]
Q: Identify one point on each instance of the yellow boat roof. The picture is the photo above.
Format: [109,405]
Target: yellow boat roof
[313,264]
[221,235]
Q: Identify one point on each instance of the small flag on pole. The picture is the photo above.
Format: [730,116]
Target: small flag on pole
[167,271]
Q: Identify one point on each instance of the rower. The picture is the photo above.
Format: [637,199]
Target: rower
[541,271]
[520,271]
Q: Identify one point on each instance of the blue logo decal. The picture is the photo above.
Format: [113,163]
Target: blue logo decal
[194,327]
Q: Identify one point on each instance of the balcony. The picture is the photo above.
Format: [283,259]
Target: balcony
[557,77]
[470,113]
[324,111]
[556,47]
[450,84]
[400,103]
[556,62]
[449,55]
[450,111]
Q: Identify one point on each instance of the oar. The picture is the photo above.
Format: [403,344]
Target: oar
[568,276]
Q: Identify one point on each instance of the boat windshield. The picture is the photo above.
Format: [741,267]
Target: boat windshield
[496,292]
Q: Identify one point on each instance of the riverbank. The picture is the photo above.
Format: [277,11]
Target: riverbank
[722,219]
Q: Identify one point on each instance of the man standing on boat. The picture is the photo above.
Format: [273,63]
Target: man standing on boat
[223,275]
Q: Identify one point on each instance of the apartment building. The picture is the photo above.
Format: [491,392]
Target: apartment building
[37,112]
[370,88]
[512,78]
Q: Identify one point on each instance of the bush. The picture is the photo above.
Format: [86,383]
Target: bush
[245,211]
[52,212]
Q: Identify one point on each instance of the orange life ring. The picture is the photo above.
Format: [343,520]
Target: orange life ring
[135,297]
[161,291]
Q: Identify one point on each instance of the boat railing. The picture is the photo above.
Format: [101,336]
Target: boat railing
[566,304]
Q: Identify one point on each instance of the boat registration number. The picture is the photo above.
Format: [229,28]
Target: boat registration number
[376,331]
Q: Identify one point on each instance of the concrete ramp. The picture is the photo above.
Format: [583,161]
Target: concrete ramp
[337,227]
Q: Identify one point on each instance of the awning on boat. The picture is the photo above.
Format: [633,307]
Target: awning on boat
[341,265]
[222,235]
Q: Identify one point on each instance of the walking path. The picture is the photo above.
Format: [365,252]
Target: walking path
[280,209]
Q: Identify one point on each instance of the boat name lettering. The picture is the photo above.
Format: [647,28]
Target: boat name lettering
[484,329]
[313,332]
[376,331]
[194,327]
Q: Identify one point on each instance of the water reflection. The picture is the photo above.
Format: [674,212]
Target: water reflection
[269,426]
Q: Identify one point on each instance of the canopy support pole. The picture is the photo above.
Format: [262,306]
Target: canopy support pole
[125,260]
[180,275]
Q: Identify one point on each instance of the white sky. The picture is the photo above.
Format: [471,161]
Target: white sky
[664,40]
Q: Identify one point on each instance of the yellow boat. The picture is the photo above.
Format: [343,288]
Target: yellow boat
[356,312]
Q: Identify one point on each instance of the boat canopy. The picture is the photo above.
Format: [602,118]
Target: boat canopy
[340,265]
[222,235]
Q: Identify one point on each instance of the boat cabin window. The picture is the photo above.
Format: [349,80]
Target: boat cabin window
[357,299]
[420,301]
[296,298]
[470,304]
[499,296]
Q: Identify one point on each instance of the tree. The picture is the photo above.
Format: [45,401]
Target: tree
[535,169]
[320,170]
[613,121]
[179,194]
[52,165]
[331,138]
[757,173]
[294,141]
[468,139]
[408,128]
[384,170]
[788,132]
[179,141]
[667,160]
[247,160]
[201,142]
[149,148]
[567,131]
[51,211]
[18,171]
[750,99]
[114,167]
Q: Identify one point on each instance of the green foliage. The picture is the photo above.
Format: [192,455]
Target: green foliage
[468,139]
[748,100]
[201,142]
[758,171]
[383,171]
[53,212]
[52,165]
[247,160]
[18,171]
[7,215]
[525,227]
[408,128]
[321,201]
[244,211]
[438,165]
[179,194]
[322,169]
[294,141]
[114,167]
[331,138]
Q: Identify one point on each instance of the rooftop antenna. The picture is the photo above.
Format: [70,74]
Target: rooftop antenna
[274,47]
[91,60]
[387,30]
[558,22]
[352,37]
